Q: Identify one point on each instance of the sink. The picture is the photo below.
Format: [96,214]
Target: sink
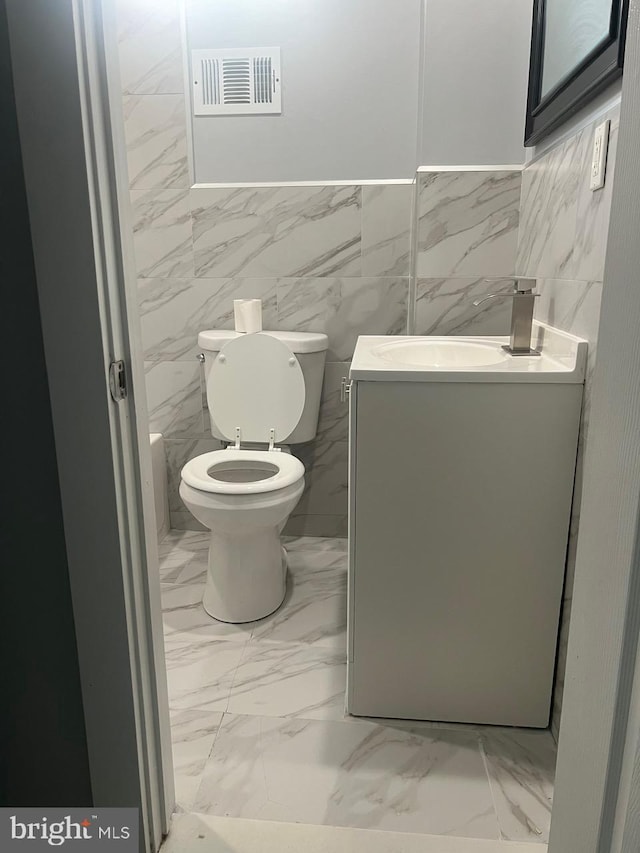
[469,358]
[448,354]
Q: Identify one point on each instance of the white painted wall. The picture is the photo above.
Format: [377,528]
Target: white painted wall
[474,91]
[359,101]
[350,71]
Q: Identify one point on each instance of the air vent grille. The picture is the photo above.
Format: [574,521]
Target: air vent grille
[236,82]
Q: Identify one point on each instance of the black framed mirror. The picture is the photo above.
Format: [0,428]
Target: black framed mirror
[577,49]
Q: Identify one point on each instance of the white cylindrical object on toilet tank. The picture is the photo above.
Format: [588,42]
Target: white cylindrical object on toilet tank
[248,315]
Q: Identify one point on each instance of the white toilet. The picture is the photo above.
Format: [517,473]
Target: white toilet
[263,390]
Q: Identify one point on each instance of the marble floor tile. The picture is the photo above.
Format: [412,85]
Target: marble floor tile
[185,620]
[192,736]
[289,680]
[183,556]
[180,569]
[316,543]
[191,833]
[348,774]
[521,767]
[331,526]
[315,608]
[200,674]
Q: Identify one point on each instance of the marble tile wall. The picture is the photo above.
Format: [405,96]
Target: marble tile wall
[467,233]
[562,242]
[332,258]
[328,258]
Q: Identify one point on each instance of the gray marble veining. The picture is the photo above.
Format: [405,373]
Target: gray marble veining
[343,308]
[386,229]
[593,210]
[182,557]
[193,734]
[174,398]
[149,46]
[162,233]
[259,730]
[521,766]
[326,480]
[550,189]
[173,311]
[563,224]
[178,454]
[200,674]
[315,608]
[573,306]
[156,138]
[185,619]
[467,223]
[348,774]
[315,543]
[277,231]
[444,306]
[289,680]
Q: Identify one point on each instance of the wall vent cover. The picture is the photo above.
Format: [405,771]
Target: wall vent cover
[236,81]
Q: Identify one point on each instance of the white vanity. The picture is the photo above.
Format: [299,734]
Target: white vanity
[462,461]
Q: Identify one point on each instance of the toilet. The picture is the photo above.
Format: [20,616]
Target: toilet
[263,394]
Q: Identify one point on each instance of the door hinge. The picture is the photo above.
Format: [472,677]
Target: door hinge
[117,380]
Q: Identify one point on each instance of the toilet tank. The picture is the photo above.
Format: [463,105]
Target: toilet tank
[310,348]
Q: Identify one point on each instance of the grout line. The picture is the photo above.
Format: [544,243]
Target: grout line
[485,762]
[206,762]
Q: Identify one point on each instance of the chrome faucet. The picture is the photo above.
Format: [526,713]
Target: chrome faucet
[521,314]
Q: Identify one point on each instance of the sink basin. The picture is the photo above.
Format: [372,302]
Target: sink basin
[469,358]
[444,354]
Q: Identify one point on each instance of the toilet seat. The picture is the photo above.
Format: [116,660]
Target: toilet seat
[256,390]
[273,469]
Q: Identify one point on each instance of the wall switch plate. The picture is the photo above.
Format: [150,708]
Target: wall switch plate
[599,162]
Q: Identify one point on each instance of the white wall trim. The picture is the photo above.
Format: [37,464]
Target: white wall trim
[516,167]
[384,181]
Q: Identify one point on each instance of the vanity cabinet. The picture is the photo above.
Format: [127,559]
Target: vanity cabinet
[459,499]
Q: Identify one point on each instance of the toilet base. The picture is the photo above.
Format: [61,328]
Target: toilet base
[246,579]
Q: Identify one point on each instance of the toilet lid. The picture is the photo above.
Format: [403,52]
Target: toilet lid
[256,384]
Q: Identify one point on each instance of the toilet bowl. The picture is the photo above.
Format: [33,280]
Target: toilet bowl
[262,389]
[244,497]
